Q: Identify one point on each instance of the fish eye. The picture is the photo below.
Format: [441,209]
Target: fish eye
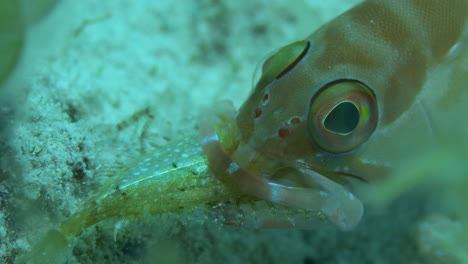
[281,62]
[342,116]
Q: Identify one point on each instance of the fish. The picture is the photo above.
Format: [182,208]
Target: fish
[330,115]
[345,107]
[172,180]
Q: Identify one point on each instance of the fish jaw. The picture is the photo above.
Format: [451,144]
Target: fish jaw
[319,193]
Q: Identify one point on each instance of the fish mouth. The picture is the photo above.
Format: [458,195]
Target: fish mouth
[238,163]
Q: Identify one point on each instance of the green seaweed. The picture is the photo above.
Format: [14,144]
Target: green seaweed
[11,36]
[441,172]
[15,15]
[34,10]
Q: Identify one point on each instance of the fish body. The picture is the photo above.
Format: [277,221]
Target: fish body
[348,105]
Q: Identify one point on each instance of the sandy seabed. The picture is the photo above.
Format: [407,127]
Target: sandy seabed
[103,82]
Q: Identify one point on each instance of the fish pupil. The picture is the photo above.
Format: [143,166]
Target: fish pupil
[343,119]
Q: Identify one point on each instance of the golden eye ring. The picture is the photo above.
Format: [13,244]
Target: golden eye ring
[342,116]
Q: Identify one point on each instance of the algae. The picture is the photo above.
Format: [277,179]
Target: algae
[15,17]
[443,233]
[34,10]
[11,36]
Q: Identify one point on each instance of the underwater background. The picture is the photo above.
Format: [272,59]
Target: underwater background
[100,83]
